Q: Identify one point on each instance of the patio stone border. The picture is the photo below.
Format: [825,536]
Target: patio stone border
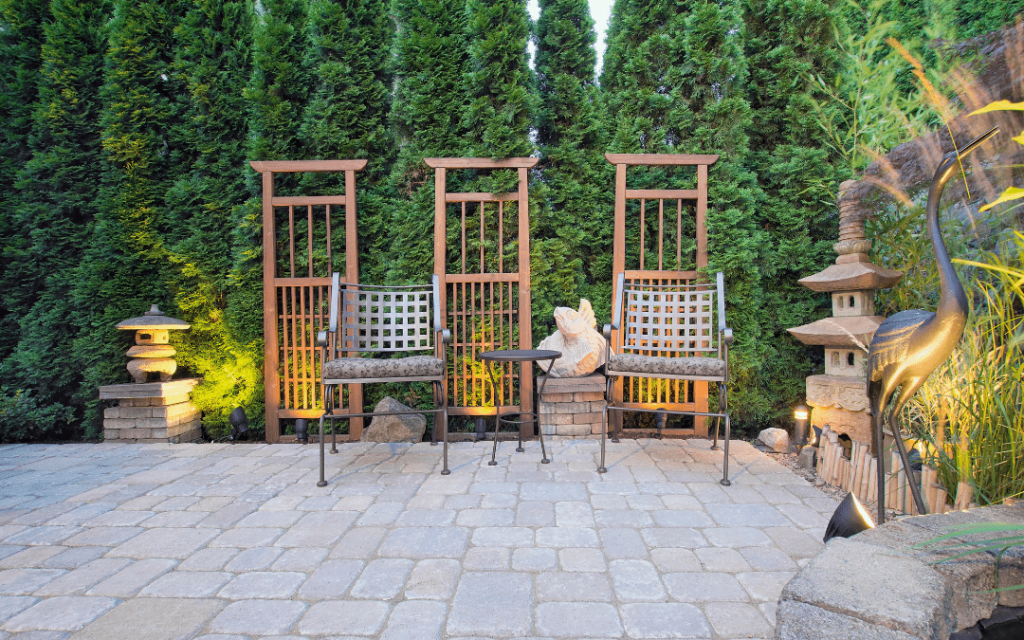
[876,585]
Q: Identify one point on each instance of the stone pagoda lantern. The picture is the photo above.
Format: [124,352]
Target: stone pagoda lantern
[151,411]
[152,353]
[839,398]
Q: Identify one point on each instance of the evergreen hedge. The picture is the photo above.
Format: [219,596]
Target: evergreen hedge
[126,128]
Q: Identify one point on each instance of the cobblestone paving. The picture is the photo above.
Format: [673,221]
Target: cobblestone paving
[236,542]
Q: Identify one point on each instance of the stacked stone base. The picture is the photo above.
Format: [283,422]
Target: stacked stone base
[572,406]
[152,412]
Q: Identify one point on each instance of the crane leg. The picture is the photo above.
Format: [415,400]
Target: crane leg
[880,481]
[915,490]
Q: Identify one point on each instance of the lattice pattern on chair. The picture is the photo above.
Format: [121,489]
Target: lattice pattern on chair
[669,319]
[385,321]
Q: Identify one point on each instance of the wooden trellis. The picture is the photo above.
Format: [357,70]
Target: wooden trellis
[297,267]
[485,294]
[655,253]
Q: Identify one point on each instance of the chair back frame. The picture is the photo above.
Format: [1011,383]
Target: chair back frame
[670,319]
[383,319]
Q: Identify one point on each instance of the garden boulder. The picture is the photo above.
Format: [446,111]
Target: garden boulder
[406,428]
[776,440]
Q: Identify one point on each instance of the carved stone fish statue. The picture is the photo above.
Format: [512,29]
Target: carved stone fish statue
[577,338]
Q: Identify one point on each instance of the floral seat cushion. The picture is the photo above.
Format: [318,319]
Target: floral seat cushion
[658,365]
[411,367]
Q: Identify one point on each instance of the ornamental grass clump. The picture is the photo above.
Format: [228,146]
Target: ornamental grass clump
[970,410]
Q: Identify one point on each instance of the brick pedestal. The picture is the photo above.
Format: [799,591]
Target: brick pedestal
[572,406]
[151,412]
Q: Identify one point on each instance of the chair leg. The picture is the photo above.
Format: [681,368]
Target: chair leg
[494,450]
[725,467]
[604,429]
[721,409]
[443,417]
[433,429]
[610,393]
[334,435]
[322,483]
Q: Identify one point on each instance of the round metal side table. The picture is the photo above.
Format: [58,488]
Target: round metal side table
[521,356]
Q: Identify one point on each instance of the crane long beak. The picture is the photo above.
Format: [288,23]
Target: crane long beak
[974,144]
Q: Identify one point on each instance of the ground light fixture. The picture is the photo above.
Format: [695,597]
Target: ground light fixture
[302,430]
[239,425]
[849,519]
[801,419]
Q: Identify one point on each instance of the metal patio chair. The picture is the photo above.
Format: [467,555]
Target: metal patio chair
[369,325]
[668,332]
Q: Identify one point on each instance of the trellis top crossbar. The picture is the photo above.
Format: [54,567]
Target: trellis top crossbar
[659,159]
[313,166]
[480,163]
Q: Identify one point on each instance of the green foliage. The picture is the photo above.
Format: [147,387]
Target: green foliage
[214,58]
[501,107]
[977,17]
[571,254]
[280,82]
[60,187]
[970,407]
[21,39]
[347,54]
[125,267]
[872,103]
[23,419]
[786,42]
[675,80]
[430,63]
[127,126]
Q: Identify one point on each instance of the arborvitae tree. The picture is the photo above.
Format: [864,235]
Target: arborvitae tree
[430,64]
[787,43]
[21,38]
[573,251]
[977,17]
[60,184]
[501,107]
[348,46]
[675,78]
[280,84]
[215,62]
[126,267]
[277,90]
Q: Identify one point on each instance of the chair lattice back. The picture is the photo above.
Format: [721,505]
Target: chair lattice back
[379,319]
[676,319]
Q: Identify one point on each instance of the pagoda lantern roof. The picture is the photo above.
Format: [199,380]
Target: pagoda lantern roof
[838,332]
[852,275]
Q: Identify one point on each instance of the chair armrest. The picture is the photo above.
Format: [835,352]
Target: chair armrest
[335,294]
[322,340]
[608,328]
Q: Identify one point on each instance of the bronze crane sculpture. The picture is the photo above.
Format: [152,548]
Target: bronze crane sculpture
[909,345]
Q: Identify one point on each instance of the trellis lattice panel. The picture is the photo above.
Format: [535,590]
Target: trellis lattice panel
[305,239]
[482,316]
[302,311]
[482,257]
[661,239]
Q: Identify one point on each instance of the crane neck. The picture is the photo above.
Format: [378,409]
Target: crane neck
[952,300]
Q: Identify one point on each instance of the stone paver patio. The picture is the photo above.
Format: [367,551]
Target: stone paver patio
[236,542]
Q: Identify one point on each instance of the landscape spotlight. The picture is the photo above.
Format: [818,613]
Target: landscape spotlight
[302,430]
[239,424]
[849,519]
